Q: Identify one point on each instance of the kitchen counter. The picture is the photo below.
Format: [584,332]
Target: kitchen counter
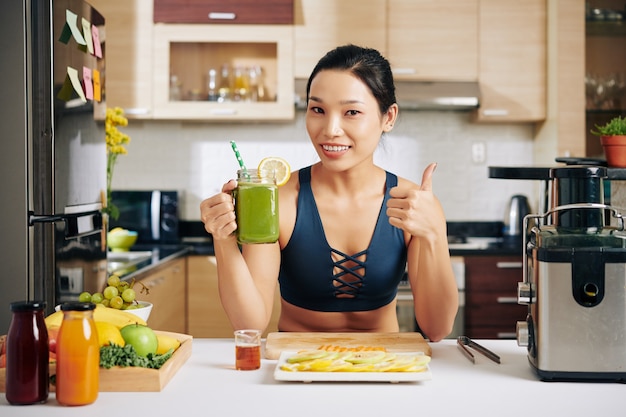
[208,384]
[155,255]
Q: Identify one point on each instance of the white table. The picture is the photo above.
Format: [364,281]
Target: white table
[208,385]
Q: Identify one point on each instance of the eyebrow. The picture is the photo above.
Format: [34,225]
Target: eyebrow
[319,100]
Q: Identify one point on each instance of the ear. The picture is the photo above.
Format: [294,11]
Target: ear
[389,118]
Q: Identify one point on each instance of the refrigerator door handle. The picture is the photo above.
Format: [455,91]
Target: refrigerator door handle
[76,224]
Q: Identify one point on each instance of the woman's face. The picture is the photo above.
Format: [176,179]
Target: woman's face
[343,119]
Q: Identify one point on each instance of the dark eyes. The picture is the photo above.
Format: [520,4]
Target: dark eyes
[319,110]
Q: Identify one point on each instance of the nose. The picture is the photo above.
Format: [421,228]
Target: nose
[333,127]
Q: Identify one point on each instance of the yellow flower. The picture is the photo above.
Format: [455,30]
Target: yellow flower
[115,141]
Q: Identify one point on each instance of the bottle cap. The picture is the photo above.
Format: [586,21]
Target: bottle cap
[77,306]
[28,305]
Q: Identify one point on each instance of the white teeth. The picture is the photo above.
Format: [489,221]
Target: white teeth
[335,148]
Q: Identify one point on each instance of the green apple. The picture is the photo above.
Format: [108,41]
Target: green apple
[141,337]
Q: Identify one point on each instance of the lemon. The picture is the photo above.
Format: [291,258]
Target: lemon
[279,166]
[109,334]
[165,343]
[373,356]
[307,355]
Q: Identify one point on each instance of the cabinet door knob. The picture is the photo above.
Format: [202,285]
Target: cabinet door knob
[222,16]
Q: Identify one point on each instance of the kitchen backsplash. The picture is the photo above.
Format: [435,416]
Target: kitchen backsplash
[196,158]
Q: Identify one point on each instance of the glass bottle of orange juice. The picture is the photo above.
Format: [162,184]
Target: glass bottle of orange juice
[78,356]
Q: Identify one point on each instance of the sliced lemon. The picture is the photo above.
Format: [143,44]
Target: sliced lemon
[373,356]
[307,355]
[279,166]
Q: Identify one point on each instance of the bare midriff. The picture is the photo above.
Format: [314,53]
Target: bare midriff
[297,319]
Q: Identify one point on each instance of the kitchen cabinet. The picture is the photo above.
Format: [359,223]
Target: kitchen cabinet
[206,316]
[188,51]
[219,11]
[433,40]
[128,51]
[605,68]
[322,25]
[167,286]
[512,60]
[491,309]
[423,40]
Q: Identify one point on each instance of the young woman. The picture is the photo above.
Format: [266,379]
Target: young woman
[348,228]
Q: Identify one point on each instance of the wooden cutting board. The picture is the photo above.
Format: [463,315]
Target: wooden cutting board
[393,342]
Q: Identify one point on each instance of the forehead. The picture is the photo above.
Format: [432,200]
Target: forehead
[339,85]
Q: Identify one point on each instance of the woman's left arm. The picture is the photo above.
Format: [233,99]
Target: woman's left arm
[419,214]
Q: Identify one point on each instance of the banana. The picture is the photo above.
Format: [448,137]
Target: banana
[118,318]
[166,343]
[54,319]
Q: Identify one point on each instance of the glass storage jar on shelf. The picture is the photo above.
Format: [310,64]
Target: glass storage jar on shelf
[256,60]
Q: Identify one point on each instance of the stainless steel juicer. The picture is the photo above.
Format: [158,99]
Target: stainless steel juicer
[575,283]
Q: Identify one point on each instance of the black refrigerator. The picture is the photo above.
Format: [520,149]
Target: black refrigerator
[53,170]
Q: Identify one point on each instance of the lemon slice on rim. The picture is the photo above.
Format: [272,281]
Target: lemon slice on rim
[279,166]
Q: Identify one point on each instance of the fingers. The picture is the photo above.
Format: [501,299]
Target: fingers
[427,177]
[229,186]
[218,213]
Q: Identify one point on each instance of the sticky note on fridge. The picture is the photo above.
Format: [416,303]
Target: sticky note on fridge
[97,89]
[87,35]
[95,36]
[70,29]
[87,84]
[76,84]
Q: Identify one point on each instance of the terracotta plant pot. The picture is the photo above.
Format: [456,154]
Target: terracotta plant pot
[614,150]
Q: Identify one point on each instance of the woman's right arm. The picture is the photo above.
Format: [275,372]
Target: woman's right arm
[247,279]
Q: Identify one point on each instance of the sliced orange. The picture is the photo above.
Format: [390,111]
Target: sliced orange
[279,166]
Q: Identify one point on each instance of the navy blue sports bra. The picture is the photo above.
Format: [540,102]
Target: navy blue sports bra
[311,279]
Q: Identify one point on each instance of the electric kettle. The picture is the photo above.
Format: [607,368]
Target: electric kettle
[516,210]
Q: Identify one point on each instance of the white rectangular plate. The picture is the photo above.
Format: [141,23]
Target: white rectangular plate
[307,376]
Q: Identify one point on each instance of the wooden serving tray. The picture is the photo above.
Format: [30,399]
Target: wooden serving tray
[394,342]
[135,379]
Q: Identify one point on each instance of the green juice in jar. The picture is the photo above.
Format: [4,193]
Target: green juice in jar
[256,207]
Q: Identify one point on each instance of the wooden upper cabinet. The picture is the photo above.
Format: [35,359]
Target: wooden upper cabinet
[513,60]
[128,55]
[433,40]
[220,11]
[322,25]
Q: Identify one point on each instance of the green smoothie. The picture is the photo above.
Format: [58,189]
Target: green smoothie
[256,207]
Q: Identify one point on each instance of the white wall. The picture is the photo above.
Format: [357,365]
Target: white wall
[196,158]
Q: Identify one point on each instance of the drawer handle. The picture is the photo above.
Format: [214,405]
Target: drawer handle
[506,335]
[507,300]
[509,265]
[222,16]
[495,112]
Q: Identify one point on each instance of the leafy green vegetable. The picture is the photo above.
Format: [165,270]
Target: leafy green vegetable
[115,355]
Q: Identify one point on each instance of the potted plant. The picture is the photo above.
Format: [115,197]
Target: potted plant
[613,140]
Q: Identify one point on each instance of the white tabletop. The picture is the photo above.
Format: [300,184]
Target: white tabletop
[208,385]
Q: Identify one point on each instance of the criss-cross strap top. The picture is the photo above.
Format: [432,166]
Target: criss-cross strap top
[315,276]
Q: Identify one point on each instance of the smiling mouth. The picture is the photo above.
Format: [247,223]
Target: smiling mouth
[335,148]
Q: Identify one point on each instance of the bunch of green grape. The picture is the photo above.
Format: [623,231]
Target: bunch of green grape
[118,294]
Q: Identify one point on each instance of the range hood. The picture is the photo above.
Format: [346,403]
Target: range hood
[422,95]
[437,95]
